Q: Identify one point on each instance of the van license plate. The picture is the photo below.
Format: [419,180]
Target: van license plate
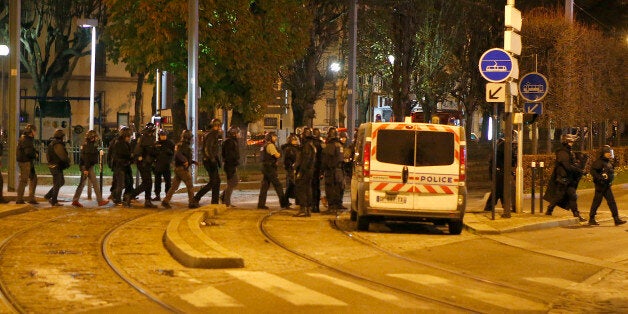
[392,199]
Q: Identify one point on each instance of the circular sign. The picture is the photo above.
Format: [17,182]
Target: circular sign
[533,86]
[496,65]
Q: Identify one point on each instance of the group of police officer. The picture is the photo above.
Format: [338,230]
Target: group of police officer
[306,158]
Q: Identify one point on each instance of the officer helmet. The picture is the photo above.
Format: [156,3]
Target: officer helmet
[149,127]
[332,133]
[269,136]
[125,132]
[607,149]
[216,123]
[233,132]
[186,136]
[568,138]
[316,132]
[59,133]
[122,128]
[306,133]
[30,129]
[91,135]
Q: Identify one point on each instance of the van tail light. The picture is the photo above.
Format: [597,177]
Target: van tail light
[463,162]
[366,170]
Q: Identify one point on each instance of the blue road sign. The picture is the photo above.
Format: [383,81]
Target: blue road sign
[533,108]
[533,86]
[496,65]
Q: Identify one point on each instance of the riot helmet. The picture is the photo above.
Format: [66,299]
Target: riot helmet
[233,132]
[58,134]
[607,149]
[149,128]
[186,136]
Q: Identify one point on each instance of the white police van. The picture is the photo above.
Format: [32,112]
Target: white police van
[409,171]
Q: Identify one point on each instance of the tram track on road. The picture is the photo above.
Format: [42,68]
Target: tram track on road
[67,258]
[354,275]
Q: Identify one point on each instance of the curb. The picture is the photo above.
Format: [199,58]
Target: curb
[189,245]
[477,227]
[15,209]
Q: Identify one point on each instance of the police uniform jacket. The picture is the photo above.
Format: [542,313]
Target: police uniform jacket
[26,149]
[600,167]
[165,153]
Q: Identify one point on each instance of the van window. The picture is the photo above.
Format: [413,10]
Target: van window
[432,148]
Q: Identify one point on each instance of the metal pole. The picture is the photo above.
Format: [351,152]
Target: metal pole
[533,168]
[14,89]
[193,77]
[92,80]
[494,168]
[541,185]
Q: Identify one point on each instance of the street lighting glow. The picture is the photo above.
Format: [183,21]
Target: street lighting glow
[334,67]
[91,23]
[4,50]
[391,59]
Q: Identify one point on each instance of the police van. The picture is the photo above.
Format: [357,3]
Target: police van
[409,171]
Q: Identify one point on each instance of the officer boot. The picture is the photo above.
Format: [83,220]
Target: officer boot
[148,204]
[618,221]
[592,221]
[549,210]
[576,214]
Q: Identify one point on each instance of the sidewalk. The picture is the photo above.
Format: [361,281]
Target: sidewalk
[476,220]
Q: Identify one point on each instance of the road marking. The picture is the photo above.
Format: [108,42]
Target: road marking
[282,288]
[357,288]
[499,299]
[210,296]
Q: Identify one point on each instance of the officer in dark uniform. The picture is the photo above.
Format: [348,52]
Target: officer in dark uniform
[499,177]
[290,151]
[231,158]
[26,155]
[316,178]
[603,173]
[270,156]
[145,155]
[110,149]
[332,160]
[211,162]
[304,167]
[88,159]
[182,162]
[165,153]
[121,160]
[568,170]
[58,160]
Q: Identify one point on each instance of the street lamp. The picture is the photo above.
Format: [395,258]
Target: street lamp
[4,51]
[91,23]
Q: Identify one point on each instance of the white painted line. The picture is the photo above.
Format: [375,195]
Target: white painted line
[282,288]
[210,296]
[499,299]
[357,288]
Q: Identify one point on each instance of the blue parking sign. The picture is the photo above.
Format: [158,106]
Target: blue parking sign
[496,65]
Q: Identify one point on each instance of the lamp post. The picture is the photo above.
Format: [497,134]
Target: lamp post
[91,23]
[4,51]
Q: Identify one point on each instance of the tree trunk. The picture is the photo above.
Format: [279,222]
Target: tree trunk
[138,101]
[179,121]
[237,119]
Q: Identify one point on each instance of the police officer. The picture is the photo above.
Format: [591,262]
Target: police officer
[121,161]
[211,162]
[316,177]
[231,159]
[568,170]
[145,155]
[165,153]
[290,151]
[499,177]
[26,155]
[58,160]
[182,162]
[115,135]
[89,158]
[603,173]
[332,160]
[270,156]
[304,167]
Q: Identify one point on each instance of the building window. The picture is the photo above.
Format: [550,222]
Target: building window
[270,122]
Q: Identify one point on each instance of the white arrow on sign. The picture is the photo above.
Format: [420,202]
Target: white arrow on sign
[495,92]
